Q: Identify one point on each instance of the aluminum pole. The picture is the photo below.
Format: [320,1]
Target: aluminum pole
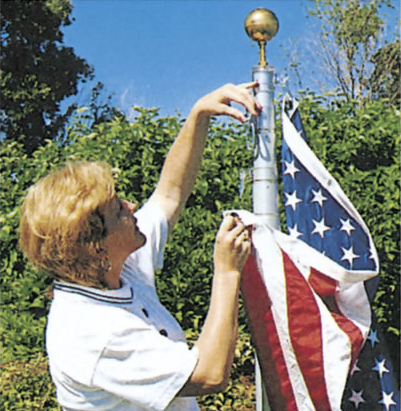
[261,25]
[265,181]
[264,187]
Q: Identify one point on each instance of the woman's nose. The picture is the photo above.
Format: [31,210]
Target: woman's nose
[132,207]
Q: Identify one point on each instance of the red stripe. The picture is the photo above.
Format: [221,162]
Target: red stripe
[322,284]
[305,330]
[326,288]
[264,333]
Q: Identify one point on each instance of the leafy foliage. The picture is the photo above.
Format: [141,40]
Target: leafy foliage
[358,145]
[385,78]
[37,70]
[28,386]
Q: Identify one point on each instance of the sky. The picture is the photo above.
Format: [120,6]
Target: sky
[169,53]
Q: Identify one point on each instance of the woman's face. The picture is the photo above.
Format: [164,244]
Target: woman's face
[124,236]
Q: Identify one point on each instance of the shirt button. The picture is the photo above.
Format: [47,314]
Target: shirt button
[145,312]
[164,333]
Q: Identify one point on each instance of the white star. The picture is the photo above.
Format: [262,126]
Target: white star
[292,200]
[380,367]
[356,398]
[346,226]
[355,368]
[387,400]
[372,337]
[349,255]
[320,227]
[318,197]
[371,257]
[294,233]
[290,168]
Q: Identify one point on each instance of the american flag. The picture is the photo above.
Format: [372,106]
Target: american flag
[371,383]
[305,294]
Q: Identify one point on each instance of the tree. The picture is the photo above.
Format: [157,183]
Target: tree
[37,71]
[352,52]
[385,78]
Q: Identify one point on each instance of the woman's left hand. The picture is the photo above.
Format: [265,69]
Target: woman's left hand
[218,102]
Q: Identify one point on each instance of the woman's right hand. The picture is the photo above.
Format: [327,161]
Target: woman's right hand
[218,102]
[232,246]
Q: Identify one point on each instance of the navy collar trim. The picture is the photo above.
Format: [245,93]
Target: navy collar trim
[123,295]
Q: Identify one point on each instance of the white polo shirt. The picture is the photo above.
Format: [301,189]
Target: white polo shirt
[120,350]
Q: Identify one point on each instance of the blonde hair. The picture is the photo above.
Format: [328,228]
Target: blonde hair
[62,223]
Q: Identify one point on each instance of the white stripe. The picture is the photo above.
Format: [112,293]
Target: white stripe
[272,270]
[336,356]
[302,253]
[353,303]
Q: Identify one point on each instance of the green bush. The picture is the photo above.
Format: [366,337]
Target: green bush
[358,145]
[26,385]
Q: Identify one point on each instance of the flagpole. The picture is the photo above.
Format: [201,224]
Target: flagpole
[264,185]
[261,25]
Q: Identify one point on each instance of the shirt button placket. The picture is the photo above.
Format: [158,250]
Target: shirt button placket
[163,332]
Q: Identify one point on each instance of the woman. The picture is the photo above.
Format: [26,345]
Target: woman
[111,344]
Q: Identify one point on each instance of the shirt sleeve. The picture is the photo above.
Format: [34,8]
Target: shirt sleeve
[144,367]
[153,223]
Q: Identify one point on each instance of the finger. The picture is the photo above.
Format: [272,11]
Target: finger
[249,85]
[253,85]
[228,223]
[232,112]
[241,95]
[238,231]
[244,251]
[247,247]
[246,243]
[230,230]
[242,237]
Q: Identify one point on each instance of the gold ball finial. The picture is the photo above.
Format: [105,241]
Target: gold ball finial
[261,25]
